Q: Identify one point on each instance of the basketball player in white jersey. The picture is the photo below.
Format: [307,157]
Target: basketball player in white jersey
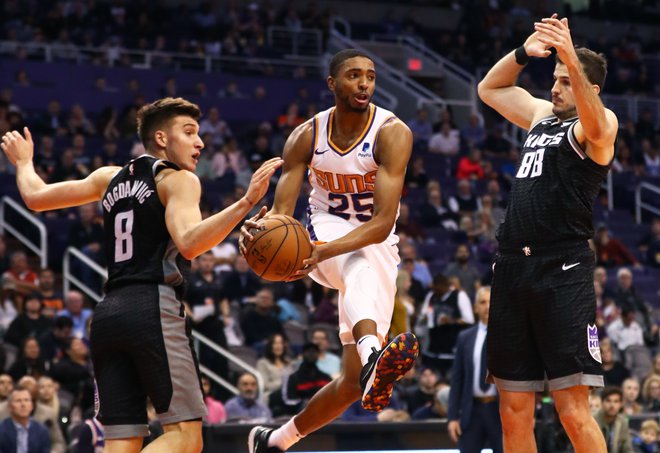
[355,155]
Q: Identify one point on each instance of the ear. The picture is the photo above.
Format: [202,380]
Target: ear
[596,89]
[160,137]
[331,83]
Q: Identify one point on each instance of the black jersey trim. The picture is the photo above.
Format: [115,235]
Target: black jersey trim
[572,140]
[161,165]
[540,121]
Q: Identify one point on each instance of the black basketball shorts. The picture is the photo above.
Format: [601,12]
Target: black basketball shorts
[542,319]
[141,348]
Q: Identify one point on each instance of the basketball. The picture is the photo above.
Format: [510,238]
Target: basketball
[277,251]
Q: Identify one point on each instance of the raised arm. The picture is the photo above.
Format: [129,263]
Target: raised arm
[498,88]
[180,192]
[40,196]
[394,149]
[598,126]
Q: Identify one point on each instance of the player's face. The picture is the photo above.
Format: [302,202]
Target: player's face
[355,84]
[563,101]
[183,144]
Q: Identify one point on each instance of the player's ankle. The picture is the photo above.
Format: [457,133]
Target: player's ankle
[365,346]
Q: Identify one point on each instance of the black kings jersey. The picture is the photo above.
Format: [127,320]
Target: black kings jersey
[138,247]
[553,190]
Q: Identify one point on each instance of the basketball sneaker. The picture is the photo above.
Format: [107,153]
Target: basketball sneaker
[258,440]
[384,368]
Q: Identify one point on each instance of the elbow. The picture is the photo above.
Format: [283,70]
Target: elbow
[188,253]
[382,232]
[482,91]
[33,204]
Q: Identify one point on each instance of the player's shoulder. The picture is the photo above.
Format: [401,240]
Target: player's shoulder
[176,179]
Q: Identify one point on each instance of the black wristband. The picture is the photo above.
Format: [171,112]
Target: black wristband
[521,56]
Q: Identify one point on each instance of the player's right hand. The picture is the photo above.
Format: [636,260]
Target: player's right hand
[250,224]
[17,148]
[261,179]
[454,429]
[535,48]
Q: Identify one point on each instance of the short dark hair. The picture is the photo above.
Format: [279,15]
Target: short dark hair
[152,116]
[340,57]
[593,64]
[612,390]
[63,321]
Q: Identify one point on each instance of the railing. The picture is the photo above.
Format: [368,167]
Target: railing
[68,278]
[41,250]
[306,41]
[639,204]
[199,338]
[119,56]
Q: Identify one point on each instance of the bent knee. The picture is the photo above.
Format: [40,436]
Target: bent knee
[573,419]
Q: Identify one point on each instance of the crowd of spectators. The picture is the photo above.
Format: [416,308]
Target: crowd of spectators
[454,198]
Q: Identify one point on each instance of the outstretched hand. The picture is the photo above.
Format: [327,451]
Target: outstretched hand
[261,179]
[535,47]
[18,148]
[555,33]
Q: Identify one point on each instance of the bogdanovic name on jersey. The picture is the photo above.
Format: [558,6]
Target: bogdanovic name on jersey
[139,190]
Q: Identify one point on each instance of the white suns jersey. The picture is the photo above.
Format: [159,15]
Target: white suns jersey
[343,180]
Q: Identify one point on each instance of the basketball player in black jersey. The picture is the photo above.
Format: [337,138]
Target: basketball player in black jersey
[543,309]
[139,343]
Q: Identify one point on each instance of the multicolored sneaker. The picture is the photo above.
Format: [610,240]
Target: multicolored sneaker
[384,368]
[258,441]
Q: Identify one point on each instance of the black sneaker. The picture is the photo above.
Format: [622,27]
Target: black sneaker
[384,368]
[258,441]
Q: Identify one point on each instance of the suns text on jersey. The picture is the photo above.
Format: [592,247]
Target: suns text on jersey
[138,189]
[338,183]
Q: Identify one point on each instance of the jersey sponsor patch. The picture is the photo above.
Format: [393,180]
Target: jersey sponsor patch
[593,343]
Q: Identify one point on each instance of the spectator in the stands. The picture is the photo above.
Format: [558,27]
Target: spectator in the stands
[231,91]
[275,364]
[45,160]
[421,128]
[87,235]
[464,202]
[74,373]
[446,141]
[416,290]
[328,311]
[230,159]
[435,211]
[291,118]
[473,133]
[215,126]
[404,305]
[626,297]
[241,283]
[651,157]
[421,270]
[301,385]
[650,244]
[260,321]
[216,410]
[4,256]
[204,286]
[67,169]
[416,174]
[52,121]
[425,392]
[495,144]
[245,407]
[52,298]
[626,331]
[74,303]
[30,323]
[614,373]
[54,342]
[78,123]
[20,277]
[28,362]
[612,423]
[437,409]
[651,394]
[6,386]
[328,362]
[47,396]
[610,251]
[19,432]
[631,390]
[405,224]
[469,167]
[647,441]
[466,272]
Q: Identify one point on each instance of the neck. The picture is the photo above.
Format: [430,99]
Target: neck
[22,420]
[350,122]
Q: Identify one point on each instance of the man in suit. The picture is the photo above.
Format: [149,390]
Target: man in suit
[19,433]
[474,420]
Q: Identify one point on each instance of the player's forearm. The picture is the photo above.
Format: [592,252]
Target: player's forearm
[213,230]
[374,231]
[29,184]
[503,75]
[590,108]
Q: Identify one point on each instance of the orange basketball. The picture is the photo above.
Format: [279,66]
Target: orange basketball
[278,251]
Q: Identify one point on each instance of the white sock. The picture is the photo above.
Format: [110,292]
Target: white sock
[364,346]
[285,436]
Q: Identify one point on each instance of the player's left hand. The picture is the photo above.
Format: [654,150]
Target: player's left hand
[555,33]
[309,264]
[17,148]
